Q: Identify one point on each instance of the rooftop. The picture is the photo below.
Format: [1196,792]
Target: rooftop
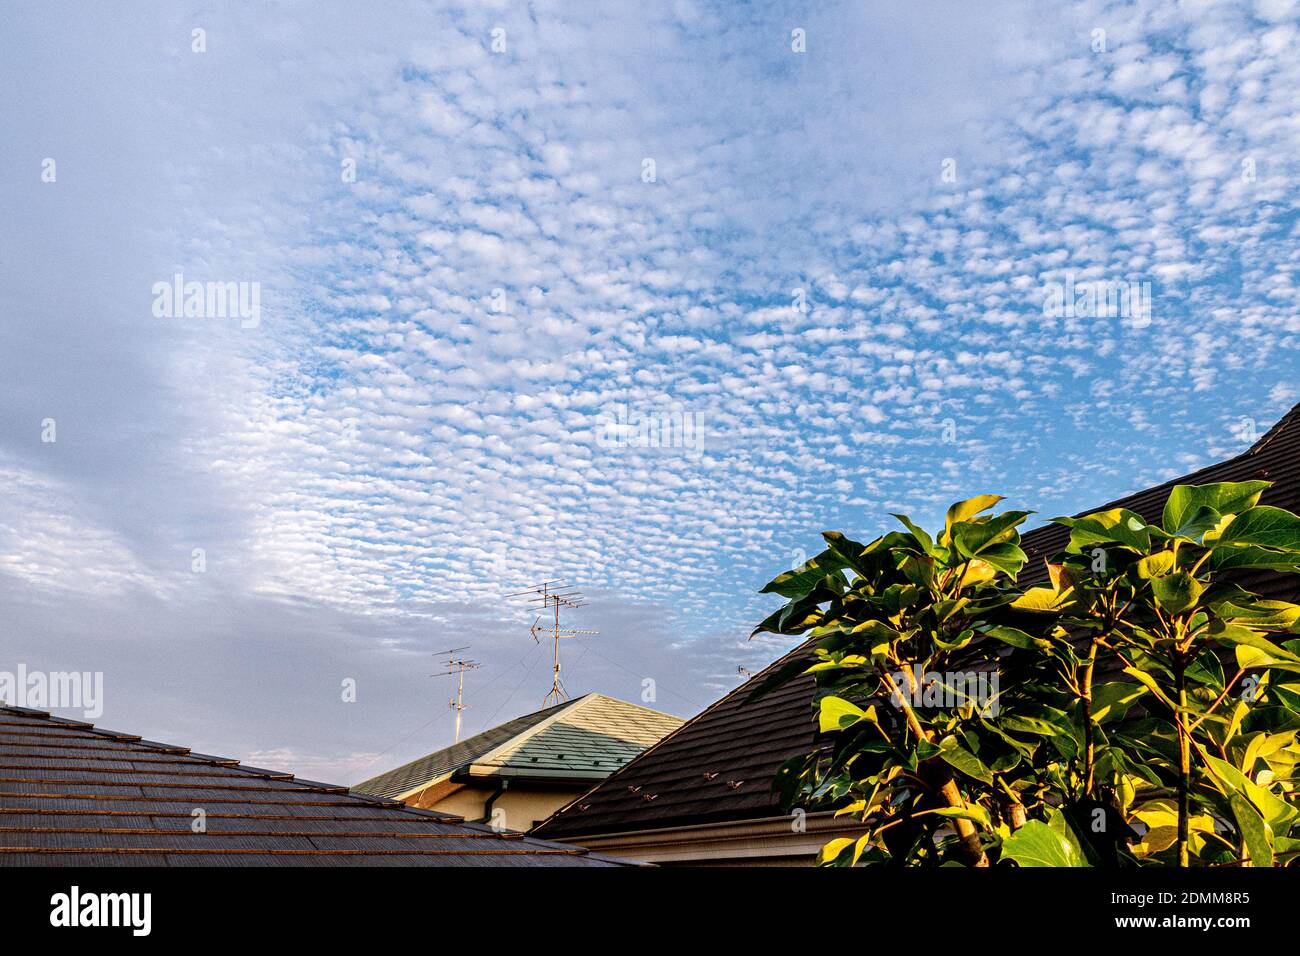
[582,740]
[72,794]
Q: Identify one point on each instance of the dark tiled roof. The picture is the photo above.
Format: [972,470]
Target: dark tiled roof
[74,795]
[719,765]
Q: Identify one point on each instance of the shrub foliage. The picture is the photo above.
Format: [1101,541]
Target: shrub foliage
[1130,703]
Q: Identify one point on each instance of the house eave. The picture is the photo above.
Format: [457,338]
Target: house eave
[555,775]
[778,840]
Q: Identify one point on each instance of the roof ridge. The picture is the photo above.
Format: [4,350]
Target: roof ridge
[589,708]
[1281,425]
[1284,423]
[626,703]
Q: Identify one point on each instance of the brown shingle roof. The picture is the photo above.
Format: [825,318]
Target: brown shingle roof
[720,764]
[75,795]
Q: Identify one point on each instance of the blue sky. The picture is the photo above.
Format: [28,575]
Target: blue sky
[838,269]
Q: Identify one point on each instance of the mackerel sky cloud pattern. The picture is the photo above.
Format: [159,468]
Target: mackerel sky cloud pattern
[839,267]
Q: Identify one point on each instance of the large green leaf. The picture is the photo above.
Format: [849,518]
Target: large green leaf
[1255,833]
[834,853]
[1155,565]
[1160,817]
[963,510]
[850,552]
[1111,701]
[1004,556]
[1037,844]
[1044,600]
[971,537]
[1116,526]
[922,536]
[1276,812]
[1249,657]
[1268,614]
[878,636]
[1020,723]
[952,751]
[838,714]
[972,811]
[1017,638]
[1176,592]
[1207,669]
[1226,557]
[797,583]
[1264,527]
[1240,634]
[1198,525]
[1225,497]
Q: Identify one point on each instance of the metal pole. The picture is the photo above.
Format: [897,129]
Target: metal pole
[460,690]
[555,665]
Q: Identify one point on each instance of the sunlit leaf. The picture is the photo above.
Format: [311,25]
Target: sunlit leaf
[1111,701]
[1225,497]
[1037,844]
[1264,527]
[797,583]
[962,510]
[835,713]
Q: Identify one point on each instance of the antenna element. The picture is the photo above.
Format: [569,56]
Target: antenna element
[458,666]
[548,597]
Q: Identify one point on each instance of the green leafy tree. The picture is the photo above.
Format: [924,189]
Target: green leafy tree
[912,754]
[1113,734]
[1208,767]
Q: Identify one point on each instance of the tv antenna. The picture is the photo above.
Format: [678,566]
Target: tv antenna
[458,666]
[547,598]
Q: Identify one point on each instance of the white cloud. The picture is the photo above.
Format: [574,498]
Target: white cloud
[395,444]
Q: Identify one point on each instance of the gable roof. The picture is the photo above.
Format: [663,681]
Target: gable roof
[581,740]
[718,767]
[75,795]
[436,766]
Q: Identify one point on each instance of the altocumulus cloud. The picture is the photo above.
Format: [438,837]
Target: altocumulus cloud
[475,230]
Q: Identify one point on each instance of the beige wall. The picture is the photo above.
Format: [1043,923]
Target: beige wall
[525,808]
[519,807]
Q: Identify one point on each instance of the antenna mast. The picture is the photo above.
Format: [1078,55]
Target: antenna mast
[548,597]
[457,666]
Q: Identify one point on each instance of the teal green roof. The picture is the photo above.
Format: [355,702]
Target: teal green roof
[582,740]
